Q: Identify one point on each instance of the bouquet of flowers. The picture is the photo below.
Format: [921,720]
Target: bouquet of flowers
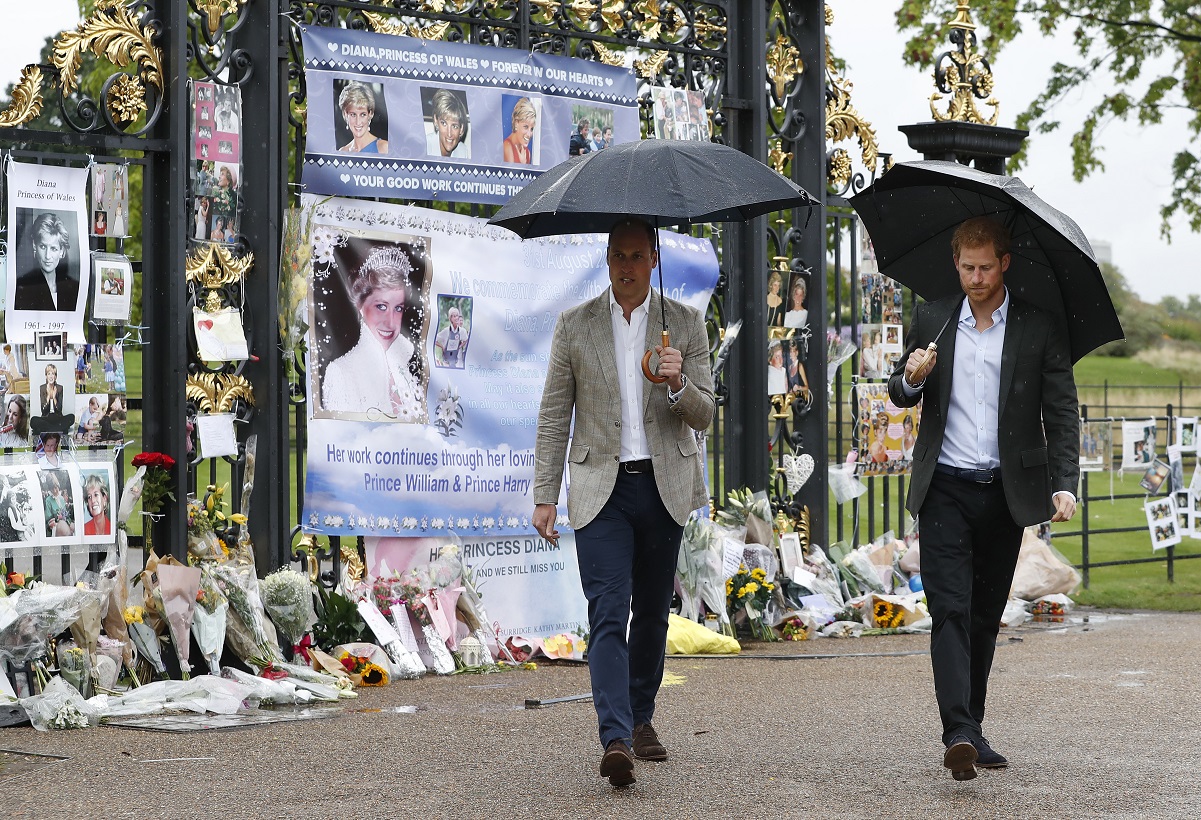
[749,592]
[208,622]
[113,581]
[406,662]
[75,667]
[247,630]
[176,586]
[203,543]
[414,599]
[28,617]
[288,598]
[363,669]
[144,639]
[795,629]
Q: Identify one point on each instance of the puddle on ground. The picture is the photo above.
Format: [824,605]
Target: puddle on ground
[1071,622]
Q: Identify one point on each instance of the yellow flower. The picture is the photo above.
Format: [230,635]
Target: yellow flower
[133,614]
[752,587]
[769,587]
[238,518]
[529,665]
[374,675]
[729,585]
[758,574]
[558,646]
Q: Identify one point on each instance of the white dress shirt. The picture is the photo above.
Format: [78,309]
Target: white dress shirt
[970,439]
[629,340]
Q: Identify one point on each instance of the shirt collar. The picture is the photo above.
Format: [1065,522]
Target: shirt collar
[645,307]
[999,316]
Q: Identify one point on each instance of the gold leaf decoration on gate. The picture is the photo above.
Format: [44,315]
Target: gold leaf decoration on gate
[784,64]
[843,121]
[215,266]
[966,77]
[214,10]
[385,25]
[218,392]
[652,66]
[113,33]
[26,101]
[608,56]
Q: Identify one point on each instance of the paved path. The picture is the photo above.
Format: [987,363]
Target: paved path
[1099,723]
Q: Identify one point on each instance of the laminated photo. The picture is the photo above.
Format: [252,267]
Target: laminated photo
[1138,444]
[113,285]
[1162,523]
[1186,434]
[47,288]
[1154,478]
[1096,445]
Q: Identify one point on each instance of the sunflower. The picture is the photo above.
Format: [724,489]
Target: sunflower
[373,675]
[887,614]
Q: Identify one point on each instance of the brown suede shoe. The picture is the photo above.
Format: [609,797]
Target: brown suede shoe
[646,743]
[617,764]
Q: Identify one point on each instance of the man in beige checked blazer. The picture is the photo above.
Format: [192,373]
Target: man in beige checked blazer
[634,474]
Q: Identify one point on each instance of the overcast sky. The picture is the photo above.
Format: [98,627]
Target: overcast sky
[1120,205]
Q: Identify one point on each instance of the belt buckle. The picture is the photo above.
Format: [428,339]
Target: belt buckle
[989,480]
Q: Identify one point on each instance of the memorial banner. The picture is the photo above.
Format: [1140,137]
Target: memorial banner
[530,586]
[428,343]
[417,119]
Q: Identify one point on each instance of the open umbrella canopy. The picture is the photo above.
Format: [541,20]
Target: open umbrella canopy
[911,212]
[665,182]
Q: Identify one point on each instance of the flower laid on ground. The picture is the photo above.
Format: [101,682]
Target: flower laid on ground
[887,615]
[558,646]
[794,629]
[288,598]
[749,591]
[338,620]
[363,670]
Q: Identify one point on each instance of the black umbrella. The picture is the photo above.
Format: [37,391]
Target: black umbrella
[911,212]
[665,182]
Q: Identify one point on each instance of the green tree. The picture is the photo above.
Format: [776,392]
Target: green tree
[1142,323]
[1151,50]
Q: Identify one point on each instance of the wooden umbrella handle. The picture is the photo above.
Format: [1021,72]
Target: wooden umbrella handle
[654,378]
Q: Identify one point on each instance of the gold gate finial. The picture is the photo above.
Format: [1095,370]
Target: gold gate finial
[963,73]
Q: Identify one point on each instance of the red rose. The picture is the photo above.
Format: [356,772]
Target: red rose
[142,460]
[165,461]
[271,673]
[153,460]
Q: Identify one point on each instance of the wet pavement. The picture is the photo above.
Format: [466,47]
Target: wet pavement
[1099,720]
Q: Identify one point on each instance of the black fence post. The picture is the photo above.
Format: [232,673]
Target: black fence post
[1084,511]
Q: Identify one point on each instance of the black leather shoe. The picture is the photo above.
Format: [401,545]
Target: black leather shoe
[618,764]
[960,758]
[646,743]
[986,758]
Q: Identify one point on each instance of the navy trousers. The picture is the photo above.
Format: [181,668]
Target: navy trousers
[969,544]
[628,557]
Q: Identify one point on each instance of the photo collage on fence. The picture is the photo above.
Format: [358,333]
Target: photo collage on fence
[216,161]
[1176,476]
[680,114]
[886,433]
[75,391]
[881,339]
[55,502]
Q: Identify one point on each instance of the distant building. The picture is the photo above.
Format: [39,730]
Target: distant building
[1103,250]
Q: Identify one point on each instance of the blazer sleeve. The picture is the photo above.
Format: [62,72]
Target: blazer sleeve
[554,418]
[895,391]
[1061,411]
[696,404]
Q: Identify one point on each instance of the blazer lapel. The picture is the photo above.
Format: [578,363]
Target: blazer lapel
[946,352]
[1015,322]
[601,330]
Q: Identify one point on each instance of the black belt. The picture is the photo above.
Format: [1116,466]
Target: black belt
[641,466]
[978,476]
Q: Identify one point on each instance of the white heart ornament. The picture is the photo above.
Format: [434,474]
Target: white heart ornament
[345,178]
[797,470]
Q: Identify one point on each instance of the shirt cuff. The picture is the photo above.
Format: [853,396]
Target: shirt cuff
[909,389]
[672,398]
[1069,493]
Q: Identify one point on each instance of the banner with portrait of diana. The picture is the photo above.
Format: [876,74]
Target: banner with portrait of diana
[399,117]
[428,343]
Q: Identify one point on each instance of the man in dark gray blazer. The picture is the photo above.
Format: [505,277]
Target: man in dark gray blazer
[998,450]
